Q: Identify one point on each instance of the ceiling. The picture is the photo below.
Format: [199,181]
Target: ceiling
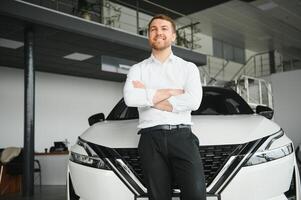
[51,45]
[242,23]
[58,34]
[169,7]
[257,25]
[260,25]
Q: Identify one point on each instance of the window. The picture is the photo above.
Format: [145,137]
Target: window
[217,48]
[239,55]
[227,51]
[116,65]
[216,101]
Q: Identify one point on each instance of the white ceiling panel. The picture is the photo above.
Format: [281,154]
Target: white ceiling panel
[247,25]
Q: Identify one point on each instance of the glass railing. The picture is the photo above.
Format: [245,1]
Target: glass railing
[124,17]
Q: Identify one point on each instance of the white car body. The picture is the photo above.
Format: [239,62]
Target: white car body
[250,135]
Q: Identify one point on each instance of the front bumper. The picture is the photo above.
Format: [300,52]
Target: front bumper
[267,181]
[92,184]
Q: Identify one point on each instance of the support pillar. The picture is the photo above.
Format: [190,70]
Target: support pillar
[29,109]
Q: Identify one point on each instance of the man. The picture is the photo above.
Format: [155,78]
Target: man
[165,88]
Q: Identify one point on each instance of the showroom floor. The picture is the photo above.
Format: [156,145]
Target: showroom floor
[44,193]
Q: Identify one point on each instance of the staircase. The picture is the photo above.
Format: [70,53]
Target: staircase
[257,65]
[247,79]
[255,91]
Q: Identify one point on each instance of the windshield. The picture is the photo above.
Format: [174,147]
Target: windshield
[216,101]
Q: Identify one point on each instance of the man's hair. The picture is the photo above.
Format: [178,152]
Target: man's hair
[164,17]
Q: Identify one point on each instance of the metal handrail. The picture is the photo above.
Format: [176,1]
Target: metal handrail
[245,90]
[222,69]
[206,74]
[246,64]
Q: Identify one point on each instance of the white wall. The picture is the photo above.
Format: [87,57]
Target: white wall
[206,44]
[63,105]
[249,53]
[287,102]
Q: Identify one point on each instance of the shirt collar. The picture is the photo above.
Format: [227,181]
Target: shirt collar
[171,58]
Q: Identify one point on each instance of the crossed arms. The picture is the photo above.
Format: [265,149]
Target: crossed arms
[160,97]
[136,94]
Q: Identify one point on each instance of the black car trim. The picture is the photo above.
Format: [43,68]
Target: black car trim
[122,174]
[88,165]
[236,165]
[278,135]
[241,155]
[233,165]
[102,153]
[72,194]
[229,161]
[292,191]
[113,155]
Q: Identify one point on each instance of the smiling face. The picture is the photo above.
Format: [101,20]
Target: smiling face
[161,34]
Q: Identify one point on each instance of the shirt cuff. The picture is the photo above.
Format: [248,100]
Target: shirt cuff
[150,93]
[172,101]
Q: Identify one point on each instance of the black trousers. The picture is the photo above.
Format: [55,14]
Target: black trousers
[168,155]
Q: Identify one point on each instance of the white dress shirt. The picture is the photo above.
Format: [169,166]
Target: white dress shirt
[174,73]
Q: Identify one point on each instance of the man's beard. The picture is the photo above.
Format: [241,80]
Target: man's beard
[160,47]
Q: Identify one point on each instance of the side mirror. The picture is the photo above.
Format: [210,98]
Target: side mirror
[265,111]
[99,117]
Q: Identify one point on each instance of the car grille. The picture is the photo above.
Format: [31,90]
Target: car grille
[213,158]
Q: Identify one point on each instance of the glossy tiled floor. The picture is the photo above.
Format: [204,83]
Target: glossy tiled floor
[46,192]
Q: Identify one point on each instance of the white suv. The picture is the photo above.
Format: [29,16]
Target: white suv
[245,155]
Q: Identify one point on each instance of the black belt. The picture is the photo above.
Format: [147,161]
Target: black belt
[167,127]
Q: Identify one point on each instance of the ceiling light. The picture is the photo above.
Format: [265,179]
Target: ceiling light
[78,56]
[126,67]
[267,6]
[12,44]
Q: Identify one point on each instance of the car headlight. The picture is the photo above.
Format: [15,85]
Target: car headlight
[90,160]
[266,154]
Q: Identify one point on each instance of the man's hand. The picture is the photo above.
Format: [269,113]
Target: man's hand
[160,98]
[164,106]
[138,84]
[176,92]
[164,94]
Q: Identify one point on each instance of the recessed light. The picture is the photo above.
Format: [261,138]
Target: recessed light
[11,44]
[78,56]
[126,67]
[267,6]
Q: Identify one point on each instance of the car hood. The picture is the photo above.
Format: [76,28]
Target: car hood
[211,130]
